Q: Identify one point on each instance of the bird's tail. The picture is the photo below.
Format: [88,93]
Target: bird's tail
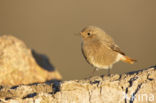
[127,60]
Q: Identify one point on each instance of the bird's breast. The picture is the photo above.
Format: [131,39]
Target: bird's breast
[98,55]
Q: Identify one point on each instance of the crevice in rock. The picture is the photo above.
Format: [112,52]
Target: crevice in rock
[89,92]
[135,92]
[150,79]
[1,87]
[152,67]
[102,76]
[33,84]
[132,80]
[130,73]
[56,87]
[14,87]
[126,91]
[95,82]
[130,85]
[119,77]
[7,98]
[30,95]
[100,90]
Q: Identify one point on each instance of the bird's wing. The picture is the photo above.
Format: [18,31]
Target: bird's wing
[113,46]
[117,49]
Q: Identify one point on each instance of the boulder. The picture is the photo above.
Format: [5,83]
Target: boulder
[22,65]
[134,87]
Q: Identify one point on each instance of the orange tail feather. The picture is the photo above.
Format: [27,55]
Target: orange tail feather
[128,60]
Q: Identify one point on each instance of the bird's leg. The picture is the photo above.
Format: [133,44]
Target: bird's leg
[108,73]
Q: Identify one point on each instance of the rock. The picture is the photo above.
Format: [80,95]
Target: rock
[21,65]
[134,87]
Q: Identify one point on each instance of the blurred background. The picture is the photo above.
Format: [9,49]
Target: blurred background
[51,27]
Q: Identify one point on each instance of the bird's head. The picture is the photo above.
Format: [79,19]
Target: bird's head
[91,32]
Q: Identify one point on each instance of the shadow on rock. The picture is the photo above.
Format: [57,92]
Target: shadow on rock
[43,61]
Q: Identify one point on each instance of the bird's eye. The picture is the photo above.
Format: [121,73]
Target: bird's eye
[89,34]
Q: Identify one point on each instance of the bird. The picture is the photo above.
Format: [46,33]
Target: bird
[100,50]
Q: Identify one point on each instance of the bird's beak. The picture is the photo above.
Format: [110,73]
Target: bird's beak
[81,33]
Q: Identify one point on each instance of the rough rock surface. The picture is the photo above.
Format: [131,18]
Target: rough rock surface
[137,87]
[21,65]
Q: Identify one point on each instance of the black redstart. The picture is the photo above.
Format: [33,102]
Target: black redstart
[100,50]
